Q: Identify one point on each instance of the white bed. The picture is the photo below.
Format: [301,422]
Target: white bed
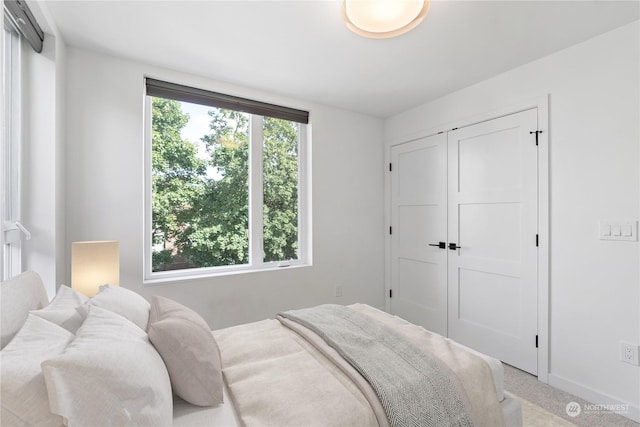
[265,373]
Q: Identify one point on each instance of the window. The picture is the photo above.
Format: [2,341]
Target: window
[225,187]
[20,26]
[10,151]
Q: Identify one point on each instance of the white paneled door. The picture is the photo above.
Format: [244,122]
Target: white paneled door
[419,224]
[493,222]
[464,236]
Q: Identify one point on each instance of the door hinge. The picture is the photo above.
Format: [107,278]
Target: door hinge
[390,293]
[536,341]
[536,132]
[390,167]
[537,241]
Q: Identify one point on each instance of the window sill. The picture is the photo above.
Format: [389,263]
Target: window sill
[180,276]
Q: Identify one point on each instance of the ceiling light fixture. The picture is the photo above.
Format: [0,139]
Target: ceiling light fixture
[383,18]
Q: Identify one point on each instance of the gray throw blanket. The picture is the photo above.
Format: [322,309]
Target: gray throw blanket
[411,387]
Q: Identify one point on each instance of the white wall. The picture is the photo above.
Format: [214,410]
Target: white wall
[43,192]
[594,174]
[105,195]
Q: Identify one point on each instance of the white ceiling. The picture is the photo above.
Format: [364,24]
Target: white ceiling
[303,49]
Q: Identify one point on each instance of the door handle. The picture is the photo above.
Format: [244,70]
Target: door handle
[453,246]
[441,245]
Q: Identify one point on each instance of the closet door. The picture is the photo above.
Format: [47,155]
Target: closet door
[419,224]
[492,273]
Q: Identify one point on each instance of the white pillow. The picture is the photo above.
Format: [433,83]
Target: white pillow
[62,310]
[109,375]
[17,296]
[189,350]
[124,302]
[24,394]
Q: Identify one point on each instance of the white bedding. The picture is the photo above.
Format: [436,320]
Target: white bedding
[349,405]
[188,415]
[226,414]
[252,353]
[497,370]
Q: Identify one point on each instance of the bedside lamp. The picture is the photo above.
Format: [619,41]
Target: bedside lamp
[94,264]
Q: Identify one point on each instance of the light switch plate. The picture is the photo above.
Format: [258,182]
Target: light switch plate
[618,229]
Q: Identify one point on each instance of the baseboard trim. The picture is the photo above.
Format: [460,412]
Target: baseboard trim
[594,396]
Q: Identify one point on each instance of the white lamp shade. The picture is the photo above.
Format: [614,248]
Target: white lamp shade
[94,264]
[384,18]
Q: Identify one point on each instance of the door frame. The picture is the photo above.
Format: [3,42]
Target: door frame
[542,105]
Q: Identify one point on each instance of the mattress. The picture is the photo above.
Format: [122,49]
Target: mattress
[188,415]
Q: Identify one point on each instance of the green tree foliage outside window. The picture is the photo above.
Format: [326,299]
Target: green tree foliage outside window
[280,189]
[200,198]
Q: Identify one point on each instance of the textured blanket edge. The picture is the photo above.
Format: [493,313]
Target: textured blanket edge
[410,385]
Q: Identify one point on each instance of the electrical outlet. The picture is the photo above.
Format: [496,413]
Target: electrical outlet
[629,353]
[338,291]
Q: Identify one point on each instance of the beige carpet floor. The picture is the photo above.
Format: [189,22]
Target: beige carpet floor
[535,416]
[543,405]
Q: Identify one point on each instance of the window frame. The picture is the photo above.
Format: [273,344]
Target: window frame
[11,182]
[255,207]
